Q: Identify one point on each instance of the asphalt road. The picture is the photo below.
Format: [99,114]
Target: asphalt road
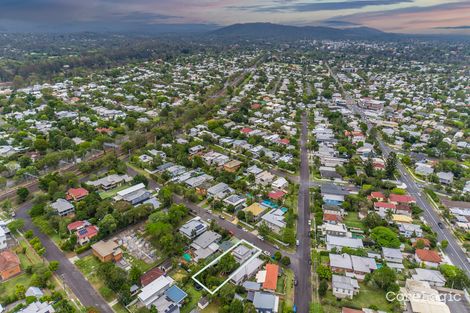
[303,291]
[72,277]
[454,251]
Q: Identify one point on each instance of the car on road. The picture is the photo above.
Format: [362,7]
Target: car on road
[157,189]
[260,237]
[221,217]
[297,242]
[441,226]
[276,246]
[209,220]
[295,282]
[231,233]
[267,253]
[309,222]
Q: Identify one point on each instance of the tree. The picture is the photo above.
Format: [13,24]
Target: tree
[263,229]
[323,287]
[134,274]
[384,278]
[444,244]
[236,306]
[227,264]
[385,237]
[455,277]
[16,225]
[249,308]
[139,178]
[108,224]
[165,195]
[277,256]
[373,220]
[54,266]
[22,194]
[20,291]
[391,165]
[324,272]
[369,167]
[285,260]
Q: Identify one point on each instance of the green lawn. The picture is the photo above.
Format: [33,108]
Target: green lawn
[7,288]
[366,298]
[213,307]
[88,266]
[352,220]
[111,193]
[289,287]
[194,296]
[43,224]
[119,308]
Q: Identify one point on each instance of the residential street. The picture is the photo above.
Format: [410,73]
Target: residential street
[71,275]
[454,251]
[303,291]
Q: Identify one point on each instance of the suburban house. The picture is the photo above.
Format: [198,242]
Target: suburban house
[340,242]
[151,292]
[76,194]
[232,166]
[275,220]
[430,258]
[272,273]
[351,265]
[445,178]
[110,181]
[410,230]
[205,245]
[38,307]
[264,178]
[344,287]
[9,264]
[392,255]
[220,191]
[193,228]
[236,201]
[280,184]
[256,209]
[247,270]
[151,275]
[134,195]
[432,277]
[265,302]
[107,251]
[63,207]
[338,230]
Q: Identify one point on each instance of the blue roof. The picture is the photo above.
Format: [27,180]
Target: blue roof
[176,294]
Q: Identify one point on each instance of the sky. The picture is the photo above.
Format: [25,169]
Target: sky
[400,16]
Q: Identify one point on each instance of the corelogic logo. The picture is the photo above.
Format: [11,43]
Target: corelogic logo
[416,296]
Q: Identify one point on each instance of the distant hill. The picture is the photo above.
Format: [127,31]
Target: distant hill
[254,31]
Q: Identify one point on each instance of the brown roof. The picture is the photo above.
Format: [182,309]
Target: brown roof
[150,276]
[8,260]
[428,255]
[272,272]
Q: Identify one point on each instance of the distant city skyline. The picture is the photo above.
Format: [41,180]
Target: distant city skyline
[401,16]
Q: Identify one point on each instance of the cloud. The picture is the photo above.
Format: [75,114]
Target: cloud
[415,19]
[321,6]
[453,27]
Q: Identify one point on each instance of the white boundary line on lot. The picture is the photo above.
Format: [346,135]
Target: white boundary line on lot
[243,241]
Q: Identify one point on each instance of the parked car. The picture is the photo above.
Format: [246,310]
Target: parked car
[441,226]
[297,242]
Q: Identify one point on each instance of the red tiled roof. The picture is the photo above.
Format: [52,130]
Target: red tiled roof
[74,225]
[8,260]
[332,217]
[428,255]
[276,195]
[385,205]
[255,106]
[246,130]
[91,231]
[272,272]
[150,276]
[76,193]
[401,198]
[377,195]
[284,141]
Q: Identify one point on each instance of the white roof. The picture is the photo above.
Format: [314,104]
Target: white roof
[154,287]
[131,189]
